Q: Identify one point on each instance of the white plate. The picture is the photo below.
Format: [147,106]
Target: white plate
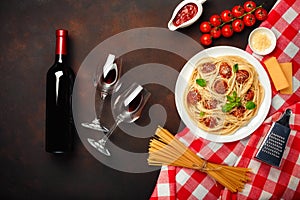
[182,83]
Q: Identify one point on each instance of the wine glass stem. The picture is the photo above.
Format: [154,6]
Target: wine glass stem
[109,133]
[103,95]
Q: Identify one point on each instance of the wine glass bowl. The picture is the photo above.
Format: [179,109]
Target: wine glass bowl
[127,108]
[109,76]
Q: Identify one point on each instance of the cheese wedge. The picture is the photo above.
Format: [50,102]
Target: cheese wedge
[287,69]
[276,73]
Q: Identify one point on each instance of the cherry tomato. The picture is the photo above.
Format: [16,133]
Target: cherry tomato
[249,19]
[238,25]
[249,6]
[261,14]
[237,11]
[215,32]
[227,30]
[205,27]
[206,39]
[226,15]
[215,20]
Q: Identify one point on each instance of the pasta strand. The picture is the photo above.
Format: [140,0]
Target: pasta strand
[165,149]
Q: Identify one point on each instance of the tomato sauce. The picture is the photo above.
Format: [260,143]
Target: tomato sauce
[186,13]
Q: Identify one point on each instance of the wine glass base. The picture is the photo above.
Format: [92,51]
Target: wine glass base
[99,145]
[95,126]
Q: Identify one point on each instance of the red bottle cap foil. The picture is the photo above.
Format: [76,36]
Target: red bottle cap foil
[61,41]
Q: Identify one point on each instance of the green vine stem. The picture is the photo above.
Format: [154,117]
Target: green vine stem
[240,17]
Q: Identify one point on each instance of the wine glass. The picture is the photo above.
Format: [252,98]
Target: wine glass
[105,80]
[127,107]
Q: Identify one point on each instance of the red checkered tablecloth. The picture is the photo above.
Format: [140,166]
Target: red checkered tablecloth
[267,182]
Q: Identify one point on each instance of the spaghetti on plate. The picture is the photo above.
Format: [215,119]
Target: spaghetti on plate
[223,94]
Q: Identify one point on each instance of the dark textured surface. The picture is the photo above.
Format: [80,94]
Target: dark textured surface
[27,46]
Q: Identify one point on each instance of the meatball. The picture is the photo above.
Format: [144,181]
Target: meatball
[225,70]
[208,67]
[220,86]
[242,76]
[193,97]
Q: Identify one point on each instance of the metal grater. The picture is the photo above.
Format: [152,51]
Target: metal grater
[272,147]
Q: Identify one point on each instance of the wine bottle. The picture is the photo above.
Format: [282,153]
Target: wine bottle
[60,127]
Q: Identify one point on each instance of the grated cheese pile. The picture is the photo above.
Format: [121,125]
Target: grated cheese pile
[260,41]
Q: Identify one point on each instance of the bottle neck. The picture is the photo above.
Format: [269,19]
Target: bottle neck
[60,58]
[61,46]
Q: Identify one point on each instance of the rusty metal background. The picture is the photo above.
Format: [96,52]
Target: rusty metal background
[27,51]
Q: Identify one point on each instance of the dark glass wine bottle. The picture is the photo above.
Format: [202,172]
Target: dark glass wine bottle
[60,127]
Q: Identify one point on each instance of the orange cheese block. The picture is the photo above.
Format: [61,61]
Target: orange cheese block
[287,69]
[276,73]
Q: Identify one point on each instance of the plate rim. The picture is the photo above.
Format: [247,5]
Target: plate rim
[262,112]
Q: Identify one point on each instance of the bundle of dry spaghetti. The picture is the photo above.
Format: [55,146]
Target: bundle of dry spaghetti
[165,149]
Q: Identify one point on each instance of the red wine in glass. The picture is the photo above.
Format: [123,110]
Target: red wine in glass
[135,103]
[110,77]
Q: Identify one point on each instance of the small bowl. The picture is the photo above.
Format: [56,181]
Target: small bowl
[198,3]
[262,41]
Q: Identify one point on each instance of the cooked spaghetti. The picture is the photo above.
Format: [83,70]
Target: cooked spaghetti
[223,94]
